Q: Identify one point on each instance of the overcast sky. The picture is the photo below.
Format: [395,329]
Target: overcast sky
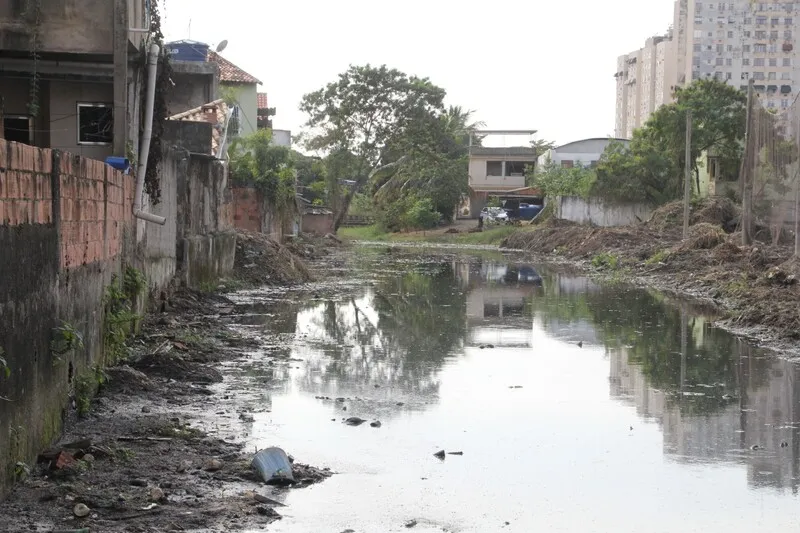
[520,64]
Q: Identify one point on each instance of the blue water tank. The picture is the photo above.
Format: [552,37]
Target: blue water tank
[187,50]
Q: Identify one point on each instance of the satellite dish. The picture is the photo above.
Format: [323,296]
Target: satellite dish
[222,45]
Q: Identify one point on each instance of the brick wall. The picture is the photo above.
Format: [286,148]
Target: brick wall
[64,226]
[248,209]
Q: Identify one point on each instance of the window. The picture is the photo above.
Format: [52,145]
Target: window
[746,48]
[775,21]
[730,35]
[787,34]
[698,48]
[567,163]
[728,75]
[784,103]
[745,75]
[761,20]
[720,48]
[729,62]
[773,49]
[787,61]
[95,124]
[773,76]
[745,61]
[788,21]
[786,75]
[719,62]
[758,62]
[494,168]
[773,61]
[773,34]
[760,48]
[747,34]
[758,75]
[748,21]
[730,48]
[516,168]
[761,34]
[17,128]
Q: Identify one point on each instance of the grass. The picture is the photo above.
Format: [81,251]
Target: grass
[489,236]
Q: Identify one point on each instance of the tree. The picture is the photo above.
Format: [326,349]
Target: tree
[436,164]
[555,180]
[362,113]
[256,161]
[651,168]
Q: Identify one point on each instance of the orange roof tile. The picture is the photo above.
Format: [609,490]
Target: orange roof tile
[262,101]
[230,72]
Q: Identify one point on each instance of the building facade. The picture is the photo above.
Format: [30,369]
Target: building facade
[730,41]
[645,79]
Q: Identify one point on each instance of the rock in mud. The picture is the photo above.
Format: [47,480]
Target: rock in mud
[80,510]
[212,465]
[354,421]
[139,482]
[156,494]
[375,424]
[267,511]
[439,455]
[260,498]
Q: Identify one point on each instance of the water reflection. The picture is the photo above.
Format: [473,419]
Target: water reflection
[713,396]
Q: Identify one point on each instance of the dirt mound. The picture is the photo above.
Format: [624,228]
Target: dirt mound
[715,210]
[703,236]
[262,261]
[173,366]
[727,251]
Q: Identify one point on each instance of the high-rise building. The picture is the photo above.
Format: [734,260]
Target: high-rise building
[731,41]
[645,78]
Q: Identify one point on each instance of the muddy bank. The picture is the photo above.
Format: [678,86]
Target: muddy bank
[161,445]
[754,287]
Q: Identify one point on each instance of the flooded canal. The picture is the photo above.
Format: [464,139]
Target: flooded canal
[577,407]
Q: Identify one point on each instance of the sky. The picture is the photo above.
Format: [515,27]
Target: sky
[546,65]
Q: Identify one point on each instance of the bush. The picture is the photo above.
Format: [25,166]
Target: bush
[605,260]
[423,215]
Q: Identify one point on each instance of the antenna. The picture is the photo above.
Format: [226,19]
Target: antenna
[222,45]
[189,30]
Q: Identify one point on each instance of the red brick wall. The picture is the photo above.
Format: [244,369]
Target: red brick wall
[94,200]
[247,209]
[318,224]
[25,185]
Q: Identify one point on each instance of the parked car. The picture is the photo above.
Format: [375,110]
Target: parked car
[494,214]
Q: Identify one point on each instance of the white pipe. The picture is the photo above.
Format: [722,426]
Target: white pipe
[147,134]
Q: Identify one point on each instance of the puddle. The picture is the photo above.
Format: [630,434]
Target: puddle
[577,407]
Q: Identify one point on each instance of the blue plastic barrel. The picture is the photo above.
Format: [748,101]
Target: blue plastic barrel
[119,163]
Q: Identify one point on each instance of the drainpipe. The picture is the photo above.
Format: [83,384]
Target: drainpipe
[144,150]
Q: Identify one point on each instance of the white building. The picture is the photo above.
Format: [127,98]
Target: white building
[586,152]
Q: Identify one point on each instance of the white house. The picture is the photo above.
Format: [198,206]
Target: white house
[586,152]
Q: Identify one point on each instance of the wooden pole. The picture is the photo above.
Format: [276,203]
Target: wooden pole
[687,178]
[747,170]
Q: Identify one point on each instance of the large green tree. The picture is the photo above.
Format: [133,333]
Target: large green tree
[362,113]
[652,167]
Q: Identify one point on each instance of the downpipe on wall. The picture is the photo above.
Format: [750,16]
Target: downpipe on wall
[147,134]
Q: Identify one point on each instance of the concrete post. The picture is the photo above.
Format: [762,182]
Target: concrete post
[120,77]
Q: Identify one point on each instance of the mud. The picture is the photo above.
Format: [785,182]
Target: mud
[151,457]
[754,288]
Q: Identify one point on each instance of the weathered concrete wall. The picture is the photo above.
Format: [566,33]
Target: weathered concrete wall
[72,26]
[251,212]
[64,231]
[600,213]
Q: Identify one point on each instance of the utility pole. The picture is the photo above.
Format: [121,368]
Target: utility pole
[748,171]
[687,178]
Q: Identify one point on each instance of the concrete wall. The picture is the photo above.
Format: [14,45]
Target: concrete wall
[65,226]
[196,84]
[206,242]
[71,26]
[597,212]
[64,99]
[251,212]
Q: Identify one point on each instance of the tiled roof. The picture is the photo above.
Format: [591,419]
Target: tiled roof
[262,101]
[230,72]
[214,112]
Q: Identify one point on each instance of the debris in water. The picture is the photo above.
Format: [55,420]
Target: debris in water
[784,444]
[455,453]
[439,454]
[375,424]
[580,344]
[755,447]
[411,523]
[354,421]
[274,466]
[260,498]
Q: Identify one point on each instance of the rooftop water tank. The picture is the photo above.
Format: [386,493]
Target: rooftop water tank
[187,50]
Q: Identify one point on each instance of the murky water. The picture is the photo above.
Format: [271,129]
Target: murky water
[649,426]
